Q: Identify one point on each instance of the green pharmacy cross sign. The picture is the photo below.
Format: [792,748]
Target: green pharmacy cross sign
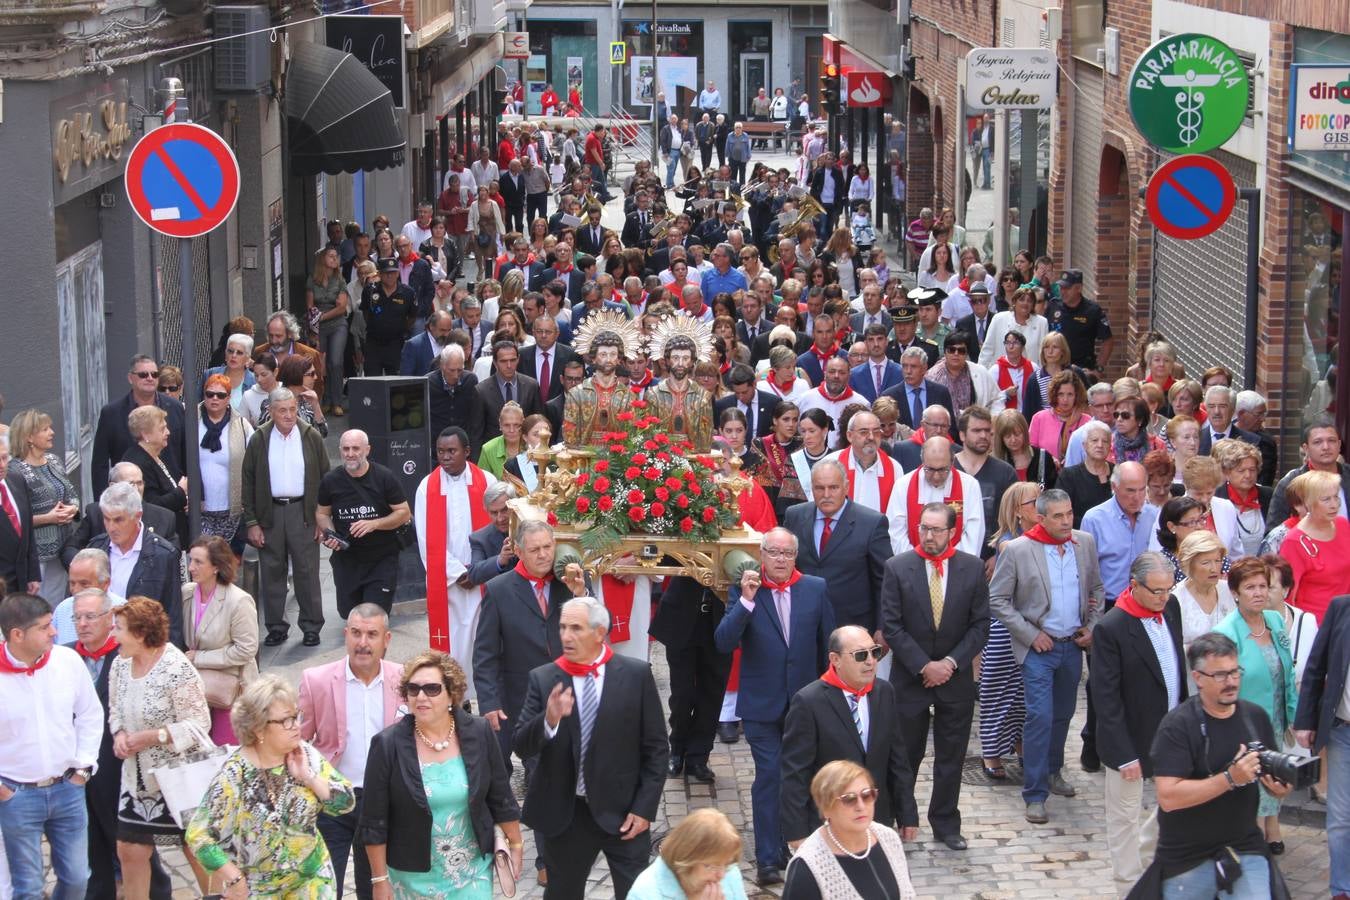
[1188,93]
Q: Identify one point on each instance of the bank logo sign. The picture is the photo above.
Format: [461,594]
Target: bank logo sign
[1189,93]
[1320,118]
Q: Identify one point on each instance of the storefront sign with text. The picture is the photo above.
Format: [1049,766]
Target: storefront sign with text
[1010,78]
[89,132]
[1320,119]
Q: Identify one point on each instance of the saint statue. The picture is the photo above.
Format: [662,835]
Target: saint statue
[685,408]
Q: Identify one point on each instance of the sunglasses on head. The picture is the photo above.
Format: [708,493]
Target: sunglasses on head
[431,689]
[874,652]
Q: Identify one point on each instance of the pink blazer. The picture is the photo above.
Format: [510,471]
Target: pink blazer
[1044,429]
[323,704]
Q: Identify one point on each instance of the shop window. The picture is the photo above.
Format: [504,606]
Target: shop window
[1089,25]
[1315,296]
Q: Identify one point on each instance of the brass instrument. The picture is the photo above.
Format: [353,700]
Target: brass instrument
[658,232]
[809,209]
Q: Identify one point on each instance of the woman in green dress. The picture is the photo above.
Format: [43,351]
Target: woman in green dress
[436,790]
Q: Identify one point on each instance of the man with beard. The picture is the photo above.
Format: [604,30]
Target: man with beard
[834,396]
[421,350]
[994,476]
[685,408]
[592,406]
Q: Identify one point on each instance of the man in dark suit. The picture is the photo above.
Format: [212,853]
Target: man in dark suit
[155,572]
[906,334]
[415,274]
[571,277]
[512,186]
[873,312]
[1250,417]
[516,633]
[878,373]
[490,549]
[1320,723]
[917,393]
[847,713]
[573,373]
[506,383]
[823,346]
[1138,675]
[830,196]
[637,228]
[935,611]
[756,404]
[1220,404]
[20,568]
[590,235]
[685,623]
[1320,451]
[593,720]
[782,622]
[421,350]
[156,518]
[976,325]
[545,358]
[531,270]
[849,552]
[455,399]
[112,438]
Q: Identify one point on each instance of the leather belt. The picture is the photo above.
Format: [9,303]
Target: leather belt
[286,501]
[46,782]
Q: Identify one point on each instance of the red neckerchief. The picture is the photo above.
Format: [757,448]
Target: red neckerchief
[582,669]
[938,560]
[725,367]
[831,677]
[108,646]
[1005,380]
[1125,600]
[783,389]
[914,509]
[792,579]
[964,285]
[1292,520]
[8,668]
[638,386]
[839,337]
[885,481]
[561,271]
[412,258]
[825,355]
[1040,535]
[534,582]
[848,392]
[919,436]
[1244,502]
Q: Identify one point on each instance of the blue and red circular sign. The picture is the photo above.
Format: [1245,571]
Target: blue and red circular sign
[1190,197]
[182,180]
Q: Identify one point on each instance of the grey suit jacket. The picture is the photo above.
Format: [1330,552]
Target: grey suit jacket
[1019,594]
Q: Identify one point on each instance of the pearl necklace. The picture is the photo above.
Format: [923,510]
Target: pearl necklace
[834,840]
[437,746]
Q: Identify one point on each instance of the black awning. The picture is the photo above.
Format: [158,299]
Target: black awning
[341,118]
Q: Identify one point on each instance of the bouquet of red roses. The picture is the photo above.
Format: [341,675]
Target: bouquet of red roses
[642,481]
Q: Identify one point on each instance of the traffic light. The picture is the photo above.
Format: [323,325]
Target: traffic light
[829,90]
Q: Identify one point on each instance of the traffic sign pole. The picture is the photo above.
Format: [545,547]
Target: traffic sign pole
[191,386]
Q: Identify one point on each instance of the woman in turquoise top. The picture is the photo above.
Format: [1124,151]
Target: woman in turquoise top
[1267,666]
[697,859]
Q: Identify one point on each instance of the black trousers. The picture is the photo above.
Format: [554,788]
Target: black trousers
[572,853]
[515,218]
[100,800]
[360,580]
[383,357]
[698,678]
[951,734]
[536,207]
[738,171]
[343,837]
[705,153]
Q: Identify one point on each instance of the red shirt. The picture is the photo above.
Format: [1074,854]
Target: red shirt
[548,102]
[1321,568]
[506,151]
[595,150]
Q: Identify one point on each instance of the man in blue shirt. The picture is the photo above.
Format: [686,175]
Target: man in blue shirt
[722,278]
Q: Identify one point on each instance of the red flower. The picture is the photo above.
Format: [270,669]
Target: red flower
[616,448]
[583,478]
[639,404]
[583,504]
[651,473]
[601,465]
[721,496]
[663,456]
[634,496]
[631,473]
[682,501]
[606,503]
[690,476]
[674,483]
[662,494]
[619,436]
[639,459]
[650,445]
[662,439]
[552,519]
[637,513]
[625,416]
[601,484]
[709,514]
[695,489]
[686,525]
[658,509]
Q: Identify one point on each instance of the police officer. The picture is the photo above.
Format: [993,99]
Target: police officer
[1083,323]
[389,307]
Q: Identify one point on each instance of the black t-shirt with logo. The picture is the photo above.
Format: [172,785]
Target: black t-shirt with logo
[1082,326]
[372,496]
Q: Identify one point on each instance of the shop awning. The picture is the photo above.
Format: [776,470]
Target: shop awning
[341,118]
[466,76]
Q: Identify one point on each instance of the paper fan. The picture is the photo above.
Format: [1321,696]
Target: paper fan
[609,321]
[671,327]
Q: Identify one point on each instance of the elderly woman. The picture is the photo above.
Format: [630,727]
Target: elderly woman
[1161,475]
[697,861]
[156,709]
[327,300]
[849,855]
[1240,463]
[220,629]
[1160,363]
[1019,318]
[1012,445]
[510,443]
[264,382]
[238,354]
[1204,597]
[55,502]
[1267,668]
[149,427]
[521,470]
[1318,547]
[1130,440]
[1089,482]
[257,826]
[1183,439]
[298,374]
[1201,477]
[777,448]
[1051,428]
[1178,517]
[782,378]
[435,788]
[222,434]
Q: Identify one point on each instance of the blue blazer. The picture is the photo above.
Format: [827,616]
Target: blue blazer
[809,364]
[772,671]
[860,379]
[418,357]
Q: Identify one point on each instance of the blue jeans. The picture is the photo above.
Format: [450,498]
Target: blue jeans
[672,166]
[598,180]
[1198,883]
[766,745]
[1338,807]
[1051,680]
[333,343]
[59,812]
[986,158]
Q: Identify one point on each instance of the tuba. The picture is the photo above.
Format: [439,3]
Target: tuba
[809,210]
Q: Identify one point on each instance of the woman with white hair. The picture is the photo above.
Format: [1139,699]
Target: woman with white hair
[238,356]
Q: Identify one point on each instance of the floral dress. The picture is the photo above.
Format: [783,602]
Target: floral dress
[266,823]
[459,868]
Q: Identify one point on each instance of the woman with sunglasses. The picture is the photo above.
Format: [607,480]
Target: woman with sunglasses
[238,355]
[171,382]
[222,435]
[298,374]
[849,855]
[164,484]
[257,827]
[1130,440]
[436,787]
[1178,518]
[1318,547]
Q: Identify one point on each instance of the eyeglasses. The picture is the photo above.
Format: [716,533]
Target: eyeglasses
[933,529]
[215,395]
[430,689]
[929,426]
[1124,415]
[958,351]
[874,652]
[779,554]
[91,617]
[147,375]
[234,351]
[1228,675]
[1192,523]
[170,388]
[866,795]
[937,470]
[288,723]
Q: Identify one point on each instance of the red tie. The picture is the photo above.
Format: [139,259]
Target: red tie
[9,509]
[544,375]
[825,534]
[541,597]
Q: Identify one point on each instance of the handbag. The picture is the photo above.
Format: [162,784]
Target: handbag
[221,688]
[185,781]
[483,238]
[506,872]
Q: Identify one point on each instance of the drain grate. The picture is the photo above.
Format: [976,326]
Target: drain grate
[972,772]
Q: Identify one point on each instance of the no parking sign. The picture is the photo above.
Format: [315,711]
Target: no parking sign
[182,180]
[1190,197]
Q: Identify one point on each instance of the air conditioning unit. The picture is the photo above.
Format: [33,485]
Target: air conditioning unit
[243,64]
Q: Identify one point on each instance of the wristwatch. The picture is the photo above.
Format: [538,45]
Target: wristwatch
[83,773]
[163,735]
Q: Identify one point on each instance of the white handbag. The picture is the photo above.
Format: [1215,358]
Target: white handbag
[185,781]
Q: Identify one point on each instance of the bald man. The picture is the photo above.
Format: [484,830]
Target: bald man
[361,505]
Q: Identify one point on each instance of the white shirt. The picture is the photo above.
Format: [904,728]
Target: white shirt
[867,481]
[286,463]
[63,617]
[468,181]
[864,716]
[215,468]
[484,173]
[50,721]
[416,233]
[121,564]
[676,142]
[458,516]
[972,510]
[365,719]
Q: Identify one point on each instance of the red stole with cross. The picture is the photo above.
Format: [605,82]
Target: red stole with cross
[438,585]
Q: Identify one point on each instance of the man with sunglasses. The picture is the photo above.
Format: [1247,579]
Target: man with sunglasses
[935,617]
[112,438]
[814,734]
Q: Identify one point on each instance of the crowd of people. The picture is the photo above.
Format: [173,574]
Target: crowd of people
[960,509]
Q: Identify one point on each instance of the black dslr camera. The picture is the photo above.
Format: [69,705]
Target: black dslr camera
[1296,771]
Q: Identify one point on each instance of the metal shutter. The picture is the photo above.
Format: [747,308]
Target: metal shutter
[1087,161]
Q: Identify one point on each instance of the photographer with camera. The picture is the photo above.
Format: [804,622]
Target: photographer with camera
[1206,775]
